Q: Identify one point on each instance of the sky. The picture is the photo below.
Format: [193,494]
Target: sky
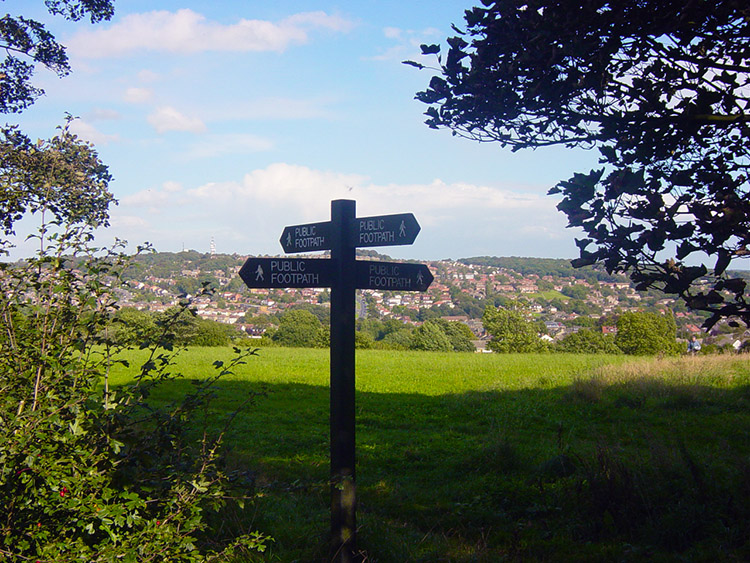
[227,121]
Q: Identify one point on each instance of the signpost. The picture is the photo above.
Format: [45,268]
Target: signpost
[343,274]
[287,272]
[384,230]
[306,238]
[393,276]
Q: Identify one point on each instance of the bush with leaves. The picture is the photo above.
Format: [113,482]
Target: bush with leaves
[442,335]
[89,473]
[645,333]
[301,328]
[511,331]
[587,341]
[430,337]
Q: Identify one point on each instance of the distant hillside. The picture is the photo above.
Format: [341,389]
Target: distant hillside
[559,267]
[543,267]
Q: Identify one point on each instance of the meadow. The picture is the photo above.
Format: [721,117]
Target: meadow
[486,457]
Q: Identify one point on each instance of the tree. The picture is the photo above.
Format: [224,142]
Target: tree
[442,335]
[397,340]
[458,333]
[575,291]
[588,342]
[61,177]
[430,337]
[642,333]
[27,43]
[299,328]
[510,331]
[362,340]
[87,474]
[660,88]
[131,327]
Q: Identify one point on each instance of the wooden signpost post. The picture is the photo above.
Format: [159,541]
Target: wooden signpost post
[343,274]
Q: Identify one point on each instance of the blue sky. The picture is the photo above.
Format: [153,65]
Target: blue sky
[230,120]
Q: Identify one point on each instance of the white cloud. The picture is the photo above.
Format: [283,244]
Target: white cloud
[305,189]
[103,114]
[392,32]
[167,118]
[91,134]
[310,191]
[127,221]
[172,187]
[150,198]
[154,200]
[457,219]
[136,95]
[307,193]
[148,76]
[186,31]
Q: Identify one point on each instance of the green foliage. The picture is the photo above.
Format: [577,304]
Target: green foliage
[440,335]
[300,328]
[397,340]
[575,291]
[431,337]
[181,326]
[321,312]
[459,335]
[177,326]
[510,331]
[263,321]
[660,88]
[27,43]
[131,327]
[587,341]
[642,333]
[89,473]
[363,340]
[62,177]
[467,304]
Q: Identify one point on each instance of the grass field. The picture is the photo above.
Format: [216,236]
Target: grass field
[484,457]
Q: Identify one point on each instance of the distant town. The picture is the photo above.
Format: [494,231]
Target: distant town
[550,290]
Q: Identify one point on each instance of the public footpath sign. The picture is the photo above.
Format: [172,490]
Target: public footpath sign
[393,276]
[306,238]
[287,272]
[342,235]
[384,230]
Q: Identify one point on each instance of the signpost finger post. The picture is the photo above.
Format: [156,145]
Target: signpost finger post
[344,275]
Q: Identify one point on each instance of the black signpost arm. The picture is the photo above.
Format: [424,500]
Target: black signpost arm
[343,494]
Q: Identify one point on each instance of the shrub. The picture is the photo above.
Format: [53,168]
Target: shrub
[643,333]
[587,341]
[90,473]
[300,328]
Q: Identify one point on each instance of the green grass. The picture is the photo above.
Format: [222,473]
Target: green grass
[483,457]
[548,295]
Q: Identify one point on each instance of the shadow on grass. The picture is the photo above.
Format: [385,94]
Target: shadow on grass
[636,471]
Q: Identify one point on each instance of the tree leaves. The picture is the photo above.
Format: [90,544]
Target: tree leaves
[63,176]
[27,43]
[660,88]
